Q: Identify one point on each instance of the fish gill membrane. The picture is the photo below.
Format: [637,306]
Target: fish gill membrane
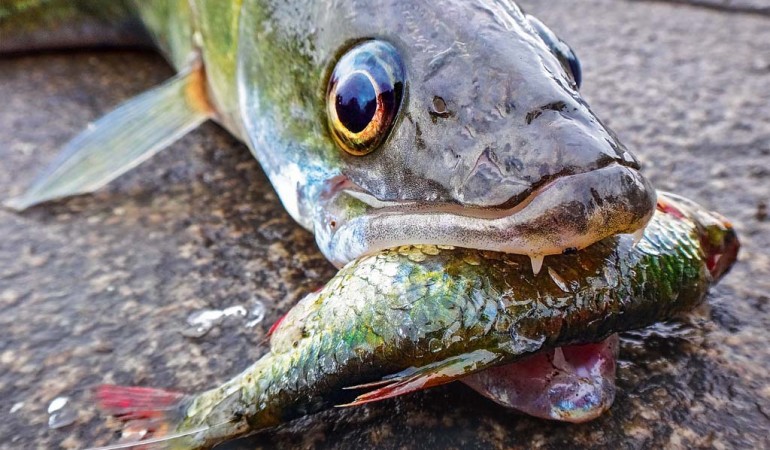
[414,317]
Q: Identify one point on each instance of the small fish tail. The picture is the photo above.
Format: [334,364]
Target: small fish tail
[151,416]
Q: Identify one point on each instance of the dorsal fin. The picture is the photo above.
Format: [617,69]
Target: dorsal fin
[123,139]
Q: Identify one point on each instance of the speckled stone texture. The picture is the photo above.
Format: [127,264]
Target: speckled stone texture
[97,288]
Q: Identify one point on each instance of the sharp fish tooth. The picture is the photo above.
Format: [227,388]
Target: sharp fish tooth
[638,235]
[537,263]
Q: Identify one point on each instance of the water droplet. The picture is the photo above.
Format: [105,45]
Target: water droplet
[235,311]
[202,321]
[257,313]
[60,413]
[57,404]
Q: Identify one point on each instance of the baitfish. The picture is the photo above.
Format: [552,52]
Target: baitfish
[414,317]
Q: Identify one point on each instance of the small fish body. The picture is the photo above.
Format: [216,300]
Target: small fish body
[414,317]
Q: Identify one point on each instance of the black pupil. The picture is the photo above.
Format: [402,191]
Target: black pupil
[356,102]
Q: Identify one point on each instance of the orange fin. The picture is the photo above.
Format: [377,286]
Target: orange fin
[412,380]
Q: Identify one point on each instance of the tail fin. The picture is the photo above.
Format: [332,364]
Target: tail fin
[150,415]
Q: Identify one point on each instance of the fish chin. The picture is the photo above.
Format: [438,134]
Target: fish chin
[572,384]
[569,213]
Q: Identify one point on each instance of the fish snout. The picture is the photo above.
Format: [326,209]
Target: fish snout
[534,148]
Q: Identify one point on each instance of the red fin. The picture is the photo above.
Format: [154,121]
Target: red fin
[148,412]
[432,375]
[130,403]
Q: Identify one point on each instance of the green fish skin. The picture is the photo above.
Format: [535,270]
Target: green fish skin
[487,143]
[417,316]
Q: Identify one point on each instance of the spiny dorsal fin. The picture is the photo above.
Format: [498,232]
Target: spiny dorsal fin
[122,139]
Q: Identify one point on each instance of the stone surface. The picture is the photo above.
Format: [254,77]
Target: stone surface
[97,288]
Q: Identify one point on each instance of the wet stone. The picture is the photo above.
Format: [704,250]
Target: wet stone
[199,227]
[61,413]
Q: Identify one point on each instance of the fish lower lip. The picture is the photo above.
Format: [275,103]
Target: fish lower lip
[572,212]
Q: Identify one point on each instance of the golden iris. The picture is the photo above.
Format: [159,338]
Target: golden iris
[364,96]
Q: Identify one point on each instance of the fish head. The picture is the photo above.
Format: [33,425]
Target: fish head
[717,235]
[448,123]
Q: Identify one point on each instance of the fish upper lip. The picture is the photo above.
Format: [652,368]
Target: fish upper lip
[580,210]
[417,207]
[506,208]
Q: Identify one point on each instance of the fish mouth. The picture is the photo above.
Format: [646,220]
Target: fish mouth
[567,214]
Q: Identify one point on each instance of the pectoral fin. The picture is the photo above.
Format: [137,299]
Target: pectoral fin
[435,374]
[122,139]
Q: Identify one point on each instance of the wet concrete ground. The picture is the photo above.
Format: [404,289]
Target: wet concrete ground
[98,288]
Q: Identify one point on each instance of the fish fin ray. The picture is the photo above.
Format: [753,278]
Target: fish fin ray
[157,443]
[148,413]
[412,380]
[121,140]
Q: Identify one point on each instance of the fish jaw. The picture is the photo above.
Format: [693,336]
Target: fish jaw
[569,213]
[571,384]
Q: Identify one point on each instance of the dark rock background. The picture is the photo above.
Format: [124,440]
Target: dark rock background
[97,288]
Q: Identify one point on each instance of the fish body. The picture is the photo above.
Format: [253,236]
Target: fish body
[417,316]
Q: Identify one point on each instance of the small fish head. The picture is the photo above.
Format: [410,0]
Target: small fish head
[717,235]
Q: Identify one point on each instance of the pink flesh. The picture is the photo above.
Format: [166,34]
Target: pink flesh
[573,384]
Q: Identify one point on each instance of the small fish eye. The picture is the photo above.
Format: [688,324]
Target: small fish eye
[364,96]
[560,49]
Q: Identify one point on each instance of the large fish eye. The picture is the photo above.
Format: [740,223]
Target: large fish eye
[364,96]
[563,52]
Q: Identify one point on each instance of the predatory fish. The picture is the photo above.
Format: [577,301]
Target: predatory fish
[379,123]
[414,317]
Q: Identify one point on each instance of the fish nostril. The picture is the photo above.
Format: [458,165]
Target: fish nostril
[537,112]
[439,108]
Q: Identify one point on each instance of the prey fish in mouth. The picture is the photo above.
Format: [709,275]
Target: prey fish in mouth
[414,317]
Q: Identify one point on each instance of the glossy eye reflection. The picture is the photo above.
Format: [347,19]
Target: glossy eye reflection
[356,102]
[364,96]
